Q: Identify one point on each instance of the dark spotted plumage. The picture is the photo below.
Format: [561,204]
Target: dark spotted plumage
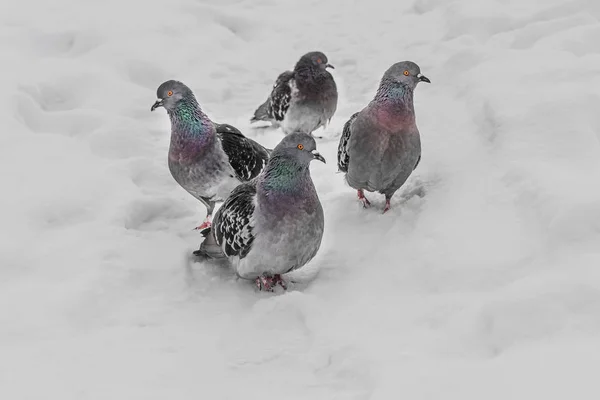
[301,100]
[233,221]
[342,154]
[279,101]
[247,158]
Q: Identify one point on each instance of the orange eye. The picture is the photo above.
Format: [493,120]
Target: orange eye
[300,147]
[170,92]
[405,72]
[319,61]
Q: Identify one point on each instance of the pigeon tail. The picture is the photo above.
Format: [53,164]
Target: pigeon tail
[209,247]
[261,113]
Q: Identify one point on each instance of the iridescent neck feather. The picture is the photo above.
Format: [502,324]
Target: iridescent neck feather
[284,174]
[187,114]
[191,129]
[396,92]
[394,101]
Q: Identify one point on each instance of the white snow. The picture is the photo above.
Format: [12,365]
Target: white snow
[488,287]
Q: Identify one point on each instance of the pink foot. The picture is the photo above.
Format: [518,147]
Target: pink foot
[361,197]
[204,225]
[387,206]
[267,283]
[279,280]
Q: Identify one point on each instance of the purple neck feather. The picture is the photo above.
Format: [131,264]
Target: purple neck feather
[192,132]
[285,184]
[393,103]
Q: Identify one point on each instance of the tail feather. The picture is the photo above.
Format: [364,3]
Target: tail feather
[261,113]
[209,247]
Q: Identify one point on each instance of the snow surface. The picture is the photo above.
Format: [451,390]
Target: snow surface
[488,287]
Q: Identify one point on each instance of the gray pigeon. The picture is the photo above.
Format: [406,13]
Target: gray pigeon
[380,146]
[207,159]
[302,100]
[274,223]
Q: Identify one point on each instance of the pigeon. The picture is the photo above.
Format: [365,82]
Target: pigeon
[380,146]
[274,223]
[302,100]
[207,159]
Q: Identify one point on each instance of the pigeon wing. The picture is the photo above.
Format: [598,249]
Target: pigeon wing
[234,221]
[343,154]
[281,95]
[246,157]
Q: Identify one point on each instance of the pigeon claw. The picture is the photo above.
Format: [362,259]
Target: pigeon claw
[267,283]
[387,206]
[363,199]
[204,225]
[279,280]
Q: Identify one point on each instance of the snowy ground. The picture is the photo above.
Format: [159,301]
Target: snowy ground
[486,288]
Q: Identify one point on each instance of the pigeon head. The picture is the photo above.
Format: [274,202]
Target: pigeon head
[314,60]
[170,94]
[299,146]
[407,73]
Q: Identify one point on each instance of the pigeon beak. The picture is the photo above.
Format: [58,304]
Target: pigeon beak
[423,78]
[318,156]
[157,103]
[329,66]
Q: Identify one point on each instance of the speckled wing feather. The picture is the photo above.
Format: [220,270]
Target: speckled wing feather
[233,222]
[343,154]
[281,95]
[246,156]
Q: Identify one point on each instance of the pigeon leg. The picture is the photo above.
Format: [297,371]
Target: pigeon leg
[205,224]
[278,280]
[210,206]
[264,283]
[361,197]
[387,205]
[267,283]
